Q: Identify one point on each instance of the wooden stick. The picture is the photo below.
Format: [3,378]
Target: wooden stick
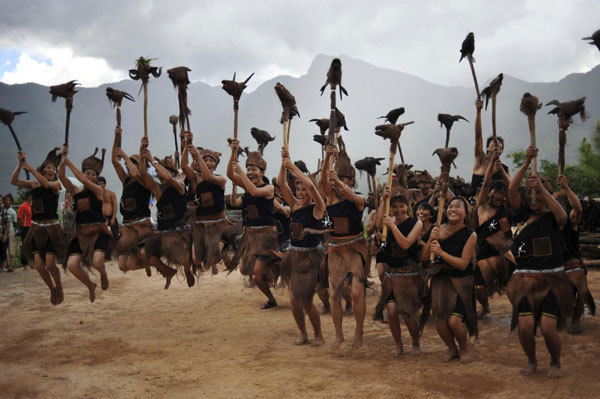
[289,127]
[118,116]
[400,151]
[18,145]
[531,122]
[440,214]
[69,107]
[145,85]
[470,58]
[375,196]
[493,120]
[389,185]
[332,122]
[562,141]
[235,125]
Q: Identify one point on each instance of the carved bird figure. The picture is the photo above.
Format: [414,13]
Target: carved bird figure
[143,70]
[334,77]
[115,97]
[287,100]
[322,123]
[393,115]
[594,39]
[7,117]
[301,165]
[262,137]
[566,110]
[320,139]
[368,164]
[492,89]
[447,120]
[468,46]
[65,90]
[234,88]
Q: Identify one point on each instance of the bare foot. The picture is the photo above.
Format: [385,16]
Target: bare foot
[325,311]
[337,343]
[60,297]
[168,276]
[482,313]
[415,351]
[92,293]
[104,281]
[554,371]
[530,369]
[148,271]
[318,341]
[357,342]
[215,269]
[464,357]
[302,341]
[189,277]
[53,296]
[452,354]
[397,351]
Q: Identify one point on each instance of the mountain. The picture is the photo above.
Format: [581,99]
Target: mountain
[373,91]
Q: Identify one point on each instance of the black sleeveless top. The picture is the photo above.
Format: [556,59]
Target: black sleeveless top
[87,207]
[257,211]
[499,223]
[283,227]
[190,194]
[454,246]
[303,218]
[477,180]
[538,246]
[210,199]
[135,200]
[346,218]
[571,242]
[170,209]
[392,253]
[43,204]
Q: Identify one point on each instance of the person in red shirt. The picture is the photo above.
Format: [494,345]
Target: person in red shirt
[24,218]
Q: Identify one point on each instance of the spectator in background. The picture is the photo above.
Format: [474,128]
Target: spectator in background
[4,231]
[11,248]
[24,218]
[68,215]
[109,207]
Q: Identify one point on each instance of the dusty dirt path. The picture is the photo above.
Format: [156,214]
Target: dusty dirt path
[139,341]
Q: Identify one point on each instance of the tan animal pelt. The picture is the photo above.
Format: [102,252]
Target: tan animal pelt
[444,293]
[352,258]
[254,245]
[300,271]
[174,247]
[87,236]
[38,237]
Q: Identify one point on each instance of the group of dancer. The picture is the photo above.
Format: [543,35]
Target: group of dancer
[306,231]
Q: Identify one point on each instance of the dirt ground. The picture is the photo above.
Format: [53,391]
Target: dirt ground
[139,341]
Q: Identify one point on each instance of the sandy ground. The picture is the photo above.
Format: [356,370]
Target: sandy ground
[139,341]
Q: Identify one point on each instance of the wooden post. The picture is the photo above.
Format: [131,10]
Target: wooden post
[470,58]
[393,146]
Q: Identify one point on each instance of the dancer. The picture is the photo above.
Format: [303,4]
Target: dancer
[539,290]
[210,217]
[134,208]
[173,240]
[494,237]
[574,268]
[260,233]
[302,259]
[347,253]
[452,301]
[45,242]
[109,207]
[403,288]
[92,242]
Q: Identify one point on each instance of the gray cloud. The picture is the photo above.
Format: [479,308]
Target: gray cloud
[531,40]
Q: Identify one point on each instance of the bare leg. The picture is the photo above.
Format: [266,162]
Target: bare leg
[324,297]
[337,317]
[552,340]
[55,273]
[482,298]
[445,333]
[360,308]
[347,297]
[413,327]
[98,264]
[40,267]
[74,266]
[298,314]
[315,321]
[260,277]
[394,323]
[460,334]
[527,340]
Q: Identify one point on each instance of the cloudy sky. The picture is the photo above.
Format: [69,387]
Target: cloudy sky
[49,42]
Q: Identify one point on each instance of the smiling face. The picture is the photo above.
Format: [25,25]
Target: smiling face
[210,163]
[456,211]
[536,206]
[398,209]
[255,174]
[91,175]
[423,214]
[303,195]
[49,171]
[492,146]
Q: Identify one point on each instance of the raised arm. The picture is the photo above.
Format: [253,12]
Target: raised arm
[286,192]
[206,173]
[115,157]
[267,191]
[514,197]
[188,171]
[331,152]
[62,175]
[403,241]
[343,190]
[234,200]
[387,193]
[487,179]
[319,209]
[576,209]
[14,178]
[231,165]
[146,156]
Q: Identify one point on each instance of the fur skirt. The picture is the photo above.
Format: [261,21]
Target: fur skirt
[444,294]
[300,271]
[37,239]
[343,258]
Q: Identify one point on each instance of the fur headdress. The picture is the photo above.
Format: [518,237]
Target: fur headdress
[424,177]
[52,158]
[211,154]
[94,163]
[255,158]
[168,163]
[343,165]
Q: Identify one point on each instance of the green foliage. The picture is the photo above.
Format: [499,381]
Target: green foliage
[517,157]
